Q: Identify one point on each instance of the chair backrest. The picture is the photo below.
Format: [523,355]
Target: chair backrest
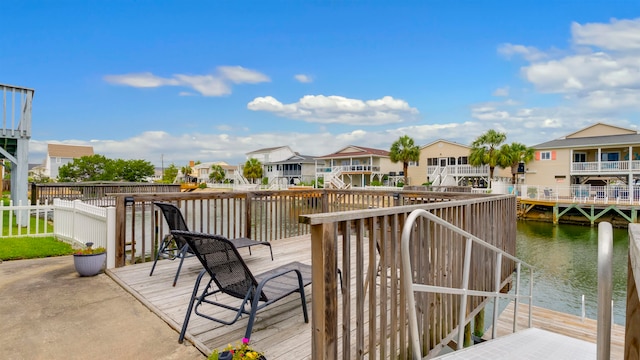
[223,262]
[173,216]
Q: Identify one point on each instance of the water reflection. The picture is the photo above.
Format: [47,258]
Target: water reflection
[566,261]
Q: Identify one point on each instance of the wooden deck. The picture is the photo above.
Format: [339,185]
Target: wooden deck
[279,329]
[560,323]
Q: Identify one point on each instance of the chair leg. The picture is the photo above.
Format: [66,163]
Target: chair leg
[183,252]
[187,316]
[270,250]
[162,247]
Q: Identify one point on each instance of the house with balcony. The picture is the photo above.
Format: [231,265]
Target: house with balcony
[596,156]
[283,166]
[355,166]
[446,163]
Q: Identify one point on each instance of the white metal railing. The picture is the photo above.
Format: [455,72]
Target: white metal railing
[616,194]
[605,290]
[604,167]
[410,288]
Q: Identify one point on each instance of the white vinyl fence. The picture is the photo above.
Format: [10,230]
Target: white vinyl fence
[74,222]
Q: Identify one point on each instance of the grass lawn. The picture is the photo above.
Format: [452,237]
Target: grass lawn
[32,247]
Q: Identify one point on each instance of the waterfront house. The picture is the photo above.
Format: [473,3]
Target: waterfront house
[59,155]
[283,165]
[356,166]
[201,171]
[446,163]
[595,156]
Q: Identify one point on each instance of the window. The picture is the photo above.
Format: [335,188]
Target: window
[545,155]
[463,160]
[579,157]
[58,160]
[610,156]
[414,163]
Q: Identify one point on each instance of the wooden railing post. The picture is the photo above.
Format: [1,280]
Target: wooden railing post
[121,215]
[632,323]
[324,311]
[247,214]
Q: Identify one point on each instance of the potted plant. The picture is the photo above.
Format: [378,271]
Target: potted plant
[241,351]
[90,261]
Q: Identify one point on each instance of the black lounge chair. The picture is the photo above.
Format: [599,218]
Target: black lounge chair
[172,248]
[231,276]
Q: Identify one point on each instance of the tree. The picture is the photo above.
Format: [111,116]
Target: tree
[170,174]
[133,170]
[99,168]
[252,170]
[404,150]
[86,168]
[485,150]
[513,154]
[186,170]
[217,174]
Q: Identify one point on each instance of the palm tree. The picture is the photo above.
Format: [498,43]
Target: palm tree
[485,150]
[186,171]
[513,154]
[404,150]
[252,170]
[217,174]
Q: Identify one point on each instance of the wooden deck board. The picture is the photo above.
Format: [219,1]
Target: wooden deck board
[560,323]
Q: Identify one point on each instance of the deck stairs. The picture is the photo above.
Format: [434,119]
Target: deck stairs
[238,178]
[528,343]
[333,180]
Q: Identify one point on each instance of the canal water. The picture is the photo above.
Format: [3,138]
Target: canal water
[565,258]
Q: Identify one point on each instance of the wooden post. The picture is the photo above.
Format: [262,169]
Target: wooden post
[478,324]
[324,308]
[121,215]
[247,214]
[467,335]
[632,323]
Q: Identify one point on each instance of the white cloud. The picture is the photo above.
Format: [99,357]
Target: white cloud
[503,91]
[303,78]
[338,109]
[206,85]
[240,75]
[529,53]
[140,80]
[618,35]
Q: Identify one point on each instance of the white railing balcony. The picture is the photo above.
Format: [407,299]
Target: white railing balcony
[462,170]
[348,168]
[599,167]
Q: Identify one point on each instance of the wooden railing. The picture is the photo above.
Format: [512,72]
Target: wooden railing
[99,193]
[368,318]
[260,215]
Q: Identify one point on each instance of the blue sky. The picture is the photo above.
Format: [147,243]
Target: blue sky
[214,80]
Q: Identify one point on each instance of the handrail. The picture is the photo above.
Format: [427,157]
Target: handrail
[605,289]
[410,287]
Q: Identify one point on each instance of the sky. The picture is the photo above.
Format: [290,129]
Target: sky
[209,81]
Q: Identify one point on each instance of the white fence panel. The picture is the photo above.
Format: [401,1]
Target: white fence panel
[79,223]
[9,214]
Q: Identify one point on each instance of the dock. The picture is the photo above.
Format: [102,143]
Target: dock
[560,323]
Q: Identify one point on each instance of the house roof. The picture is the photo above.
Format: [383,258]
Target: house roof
[445,141]
[266,150]
[628,139]
[297,159]
[353,151]
[69,151]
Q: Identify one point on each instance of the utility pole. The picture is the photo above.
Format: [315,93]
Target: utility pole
[162,165]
